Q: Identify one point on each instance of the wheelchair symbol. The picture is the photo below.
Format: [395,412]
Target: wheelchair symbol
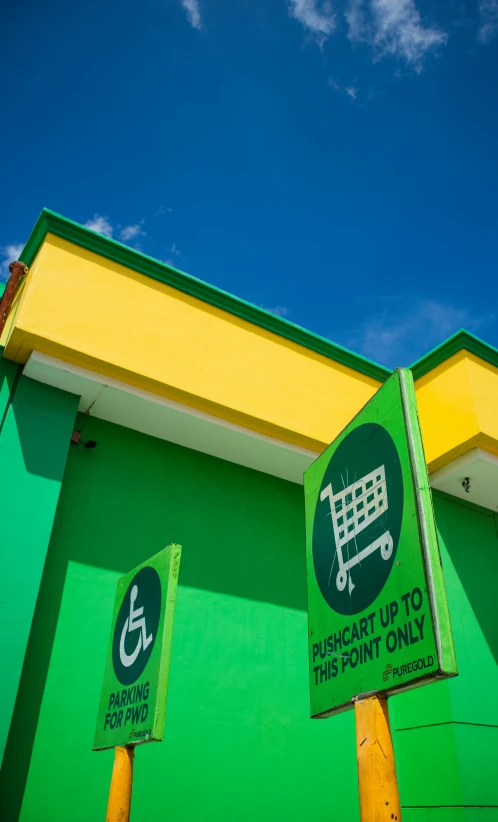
[134,623]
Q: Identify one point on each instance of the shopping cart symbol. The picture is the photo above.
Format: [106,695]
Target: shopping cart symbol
[352,510]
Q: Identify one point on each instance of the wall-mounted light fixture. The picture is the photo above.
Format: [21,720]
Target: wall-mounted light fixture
[76,440]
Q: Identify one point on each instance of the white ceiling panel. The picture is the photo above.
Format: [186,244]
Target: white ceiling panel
[143,411]
[480,468]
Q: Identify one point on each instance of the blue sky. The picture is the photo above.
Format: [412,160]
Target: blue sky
[335,162]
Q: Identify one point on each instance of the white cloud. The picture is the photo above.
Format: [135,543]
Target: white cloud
[315,15]
[278,310]
[193,11]
[100,224]
[488,14]
[175,250]
[351,91]
[129,232]
[399,336]
[394,28]
[10,254]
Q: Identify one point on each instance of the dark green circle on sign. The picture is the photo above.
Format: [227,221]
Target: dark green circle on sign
[136,627]
[358,517]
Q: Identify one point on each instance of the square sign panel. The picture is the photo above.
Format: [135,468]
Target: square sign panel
[377,609]
[133,702]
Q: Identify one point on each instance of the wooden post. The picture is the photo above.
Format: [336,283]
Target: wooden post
[118,806]
[378,786]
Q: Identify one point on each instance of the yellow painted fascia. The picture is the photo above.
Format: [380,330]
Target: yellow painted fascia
[458,408]
[98,314]
[96,304]
[484,385]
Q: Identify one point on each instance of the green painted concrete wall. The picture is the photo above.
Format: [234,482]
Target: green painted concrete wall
[35,428]
[446,734]
[8,378]
[239,744]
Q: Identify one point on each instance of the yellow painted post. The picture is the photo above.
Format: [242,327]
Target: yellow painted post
[118,806]
[378,786]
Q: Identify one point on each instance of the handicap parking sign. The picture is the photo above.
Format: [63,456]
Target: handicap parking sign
[136,626]
[133,701]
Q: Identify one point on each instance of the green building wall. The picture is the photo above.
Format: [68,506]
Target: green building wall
[239,744]
[35,429]
[447,733]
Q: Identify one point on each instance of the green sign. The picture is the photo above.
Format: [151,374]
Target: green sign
[377,610]
[133,702]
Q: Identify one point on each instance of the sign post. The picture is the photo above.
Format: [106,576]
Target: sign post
[133,702]
[378,786]
[119,803]
[377,610]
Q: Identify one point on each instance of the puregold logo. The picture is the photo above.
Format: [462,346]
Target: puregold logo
[409,668]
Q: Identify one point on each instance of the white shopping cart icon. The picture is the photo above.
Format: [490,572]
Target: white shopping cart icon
[352,509]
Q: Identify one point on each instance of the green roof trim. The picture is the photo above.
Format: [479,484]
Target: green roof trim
[461,341]
[50,222]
